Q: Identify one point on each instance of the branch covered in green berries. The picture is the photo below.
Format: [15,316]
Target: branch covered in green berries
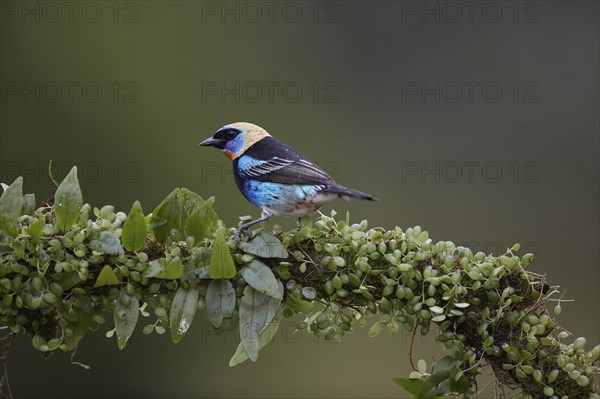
[64,266]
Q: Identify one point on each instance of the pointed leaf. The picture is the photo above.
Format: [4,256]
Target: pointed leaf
[11,203]
[221,261]
[68,201]
[167,269]
[446,370]
[444,365]
[262,279]
[172,270]
[256,312]
[183,309]
[134,229]
[28,204]
[166,216]
[35,229]
[438,383]
[106,276]
[191,201]
[265,337]
[125,317]
[202,221]
[107,243]
[264,245]
[220,301]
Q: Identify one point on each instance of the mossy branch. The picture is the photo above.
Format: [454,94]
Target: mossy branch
[62,270]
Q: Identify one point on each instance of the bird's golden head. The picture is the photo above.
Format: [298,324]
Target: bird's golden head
[235,138]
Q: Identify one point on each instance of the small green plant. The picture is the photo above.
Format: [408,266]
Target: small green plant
[64,266]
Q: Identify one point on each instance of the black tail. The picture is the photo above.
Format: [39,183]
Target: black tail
[345,191]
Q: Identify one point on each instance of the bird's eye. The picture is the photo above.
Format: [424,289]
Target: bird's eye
[231,133]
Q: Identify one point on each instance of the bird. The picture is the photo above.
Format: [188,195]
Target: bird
[273,176]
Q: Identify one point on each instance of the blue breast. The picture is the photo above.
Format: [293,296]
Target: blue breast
[281,198]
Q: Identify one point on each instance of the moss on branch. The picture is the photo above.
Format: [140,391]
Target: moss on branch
[62,270]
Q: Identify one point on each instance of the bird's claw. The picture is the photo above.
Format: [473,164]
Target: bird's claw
[240,233]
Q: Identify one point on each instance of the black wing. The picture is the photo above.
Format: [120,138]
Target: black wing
[270,160]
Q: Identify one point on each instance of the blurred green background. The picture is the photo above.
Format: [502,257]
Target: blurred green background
[478,123]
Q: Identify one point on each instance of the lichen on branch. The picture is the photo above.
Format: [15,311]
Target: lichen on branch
[65,266]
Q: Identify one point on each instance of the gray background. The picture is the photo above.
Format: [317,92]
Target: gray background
[515,160]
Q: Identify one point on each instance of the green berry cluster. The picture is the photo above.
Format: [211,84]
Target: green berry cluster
[487,309]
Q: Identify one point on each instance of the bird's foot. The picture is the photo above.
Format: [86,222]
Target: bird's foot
[243,228]
[242,231]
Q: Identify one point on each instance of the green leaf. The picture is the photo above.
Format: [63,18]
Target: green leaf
[148,329]
[220,301]
[84,216]
[256,312]
[375,329]
[421,365]
[79,328]
[106,276]
[35,229]
[183,309]
[265,337]
[264,245]
[28,204]
[430,390]
[411,386]
[134,229]
[67,280]
[447,371]
[436,309]
[191,201]
[154,268]
[166,269]
[172,270]
[444,365]
[438,383]
[68,201]
[221,261]
[197,266]
[459,386]
[107,243]
[11,203]
[298,305]
[202,221]
[262,279]
[166,216]
[125,317]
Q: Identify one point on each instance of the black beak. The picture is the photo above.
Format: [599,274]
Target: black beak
[212,142]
